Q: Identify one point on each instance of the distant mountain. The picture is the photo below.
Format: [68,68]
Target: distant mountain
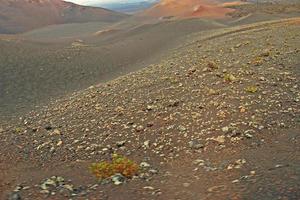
[18,16]
[186,8]
[130,7]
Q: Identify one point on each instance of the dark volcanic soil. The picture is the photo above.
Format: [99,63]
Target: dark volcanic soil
[32,72]
[217,119]
[52,62]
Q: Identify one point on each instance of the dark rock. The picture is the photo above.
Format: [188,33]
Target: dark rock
[14,196]
[173,103]
[48,127]
[195,144]
[120,143]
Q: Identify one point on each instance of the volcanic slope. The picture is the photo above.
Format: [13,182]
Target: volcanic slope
[250,13]
[56,60]
[32,72]
[218,119]
[186,9]
[17,16]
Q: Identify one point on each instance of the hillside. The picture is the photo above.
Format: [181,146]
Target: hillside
[187,9]
[18,16]
[33,72]
[216,119]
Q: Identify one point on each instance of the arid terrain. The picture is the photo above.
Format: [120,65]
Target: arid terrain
[207,107]
[17,16]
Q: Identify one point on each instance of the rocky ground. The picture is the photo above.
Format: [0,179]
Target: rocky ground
[218,119]
[285,7]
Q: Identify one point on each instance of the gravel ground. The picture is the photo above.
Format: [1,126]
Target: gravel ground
[218,119]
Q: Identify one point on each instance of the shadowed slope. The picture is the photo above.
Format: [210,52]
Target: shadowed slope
[33,72]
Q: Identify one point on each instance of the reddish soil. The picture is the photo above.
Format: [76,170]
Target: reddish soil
[187,8]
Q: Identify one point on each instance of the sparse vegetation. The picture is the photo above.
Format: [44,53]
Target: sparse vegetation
[251,89]
[118,165]
[257,61]
[229,78]
[18,130]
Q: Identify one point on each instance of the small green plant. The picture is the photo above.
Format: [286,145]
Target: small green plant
[118,165]
[18,130]
[229,78]
[251,89]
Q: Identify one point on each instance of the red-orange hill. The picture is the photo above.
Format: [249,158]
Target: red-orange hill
[187,8]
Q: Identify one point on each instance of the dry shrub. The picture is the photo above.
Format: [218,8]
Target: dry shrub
[251,89]
[229,78]
[118,165]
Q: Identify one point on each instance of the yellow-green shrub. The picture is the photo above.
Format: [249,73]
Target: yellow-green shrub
[119,164]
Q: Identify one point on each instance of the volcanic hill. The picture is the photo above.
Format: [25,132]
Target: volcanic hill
[18,16]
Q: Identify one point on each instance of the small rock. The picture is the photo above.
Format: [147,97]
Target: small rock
[265,53]
[237,164]
[59,143]
[216,188]
[26,188]
[220,139]
[225,129]
[144,165]
[47,183]
[279,166]
[94,187]
[45,192]
[199,162]
[262,78]
[153,171]
[121,143]
[252,172]
[118,179]
[18,188]
[139,128]
[248,135]
[186,184]
[195,144]
[149,188]
[150,107]
[14,196]
[48,127]
[173,103]
[52,149]
[56,132]
[181,128]
[242,109]
[212,92]
[69,187]
[150,124]
[146,144]
[119,109]
[235,181]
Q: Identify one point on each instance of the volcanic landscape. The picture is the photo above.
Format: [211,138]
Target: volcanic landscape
[189,99]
